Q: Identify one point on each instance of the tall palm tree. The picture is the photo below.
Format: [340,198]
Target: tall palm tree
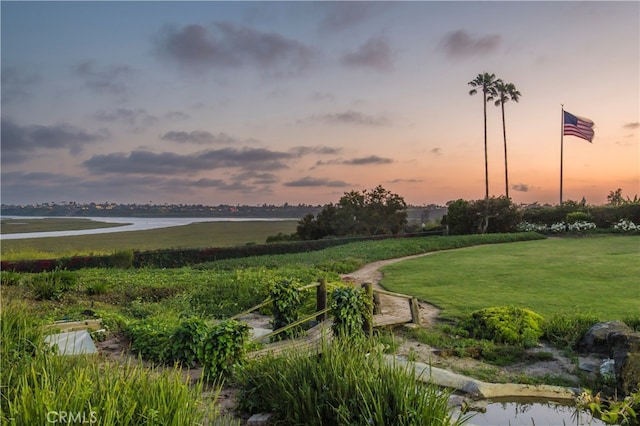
[506,92]
[487,82]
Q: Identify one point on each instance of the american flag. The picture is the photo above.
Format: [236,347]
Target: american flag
[578,126]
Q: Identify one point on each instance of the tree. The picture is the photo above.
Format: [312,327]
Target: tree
[506,92]
[615,197]
[487,82]
[370,212]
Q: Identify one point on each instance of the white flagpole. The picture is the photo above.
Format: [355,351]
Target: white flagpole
[561,146]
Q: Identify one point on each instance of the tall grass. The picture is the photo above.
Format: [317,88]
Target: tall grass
[39,387]
[348,383]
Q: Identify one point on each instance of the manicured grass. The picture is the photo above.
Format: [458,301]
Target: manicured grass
[599,275]
[22,225]
[195,235]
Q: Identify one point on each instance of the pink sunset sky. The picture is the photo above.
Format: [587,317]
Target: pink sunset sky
[299,102]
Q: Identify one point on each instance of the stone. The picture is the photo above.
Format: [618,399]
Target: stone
[597,339]
[625,351]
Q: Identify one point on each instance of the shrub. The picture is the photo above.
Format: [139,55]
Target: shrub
[97,287]
[348,307]
[574,217]
[565,331]
[151,339]
[187,341]
[224,348]
[286,303]
[510,325]
[467,217]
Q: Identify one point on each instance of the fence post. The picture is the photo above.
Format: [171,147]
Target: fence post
[321,299]
[376,304]
[415,311]
[367,323]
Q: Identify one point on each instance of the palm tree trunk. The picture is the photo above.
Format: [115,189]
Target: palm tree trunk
[486,162]
[506,173]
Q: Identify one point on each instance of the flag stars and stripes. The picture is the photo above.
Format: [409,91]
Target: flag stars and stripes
[578,126]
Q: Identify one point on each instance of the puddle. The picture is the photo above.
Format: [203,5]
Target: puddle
[523,413]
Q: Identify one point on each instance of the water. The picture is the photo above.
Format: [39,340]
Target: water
[128,224]
[522,413]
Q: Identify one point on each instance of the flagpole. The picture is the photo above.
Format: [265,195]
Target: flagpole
[561,146]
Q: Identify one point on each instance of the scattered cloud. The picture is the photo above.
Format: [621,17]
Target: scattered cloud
[200,137]
[374,53]
[146,162]
[362,161]
[176,115]
[323,96]
[110,80]
[437,152]
[633,125]
[521,187]
[320,149]
[136,119]
[256,178]
[226,45]
[406,181]
[312,182]
[460,44]
[18,142]
[349,117]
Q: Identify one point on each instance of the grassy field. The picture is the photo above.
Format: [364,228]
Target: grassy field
[596,275]
[23,225]
[195,235]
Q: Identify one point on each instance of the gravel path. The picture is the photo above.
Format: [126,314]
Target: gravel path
[393,308]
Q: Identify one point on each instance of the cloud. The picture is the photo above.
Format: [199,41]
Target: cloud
[309,181]
[136,119]
[406,181]
[176,115]
[111,80]
[521,187]
[633,125]
[17,84]
[256,178]
[460,43]
[437,152]
[18,142]
[225,45]
[374,53]
[362,161]
[199,137]
[319,149]
[146,162]
[349,117]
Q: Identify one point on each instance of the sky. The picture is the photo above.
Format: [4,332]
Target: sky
[299,102]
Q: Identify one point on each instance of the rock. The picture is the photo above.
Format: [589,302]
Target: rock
[625,351]
[596,340]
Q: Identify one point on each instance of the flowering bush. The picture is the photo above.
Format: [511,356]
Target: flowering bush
[532,227]
[626,225]
[558,227]
[581,226]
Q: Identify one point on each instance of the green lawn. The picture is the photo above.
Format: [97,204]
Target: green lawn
[598,275]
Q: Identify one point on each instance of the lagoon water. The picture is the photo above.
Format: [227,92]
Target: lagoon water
[128,224]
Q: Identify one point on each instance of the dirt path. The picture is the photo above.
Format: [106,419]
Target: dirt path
[393,309]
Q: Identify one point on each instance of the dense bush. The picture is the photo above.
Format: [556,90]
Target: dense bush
[348,308]
[187,341]
[495,215]
[604,217]
[287,301]
[224,348]
[575,217]
[510,325]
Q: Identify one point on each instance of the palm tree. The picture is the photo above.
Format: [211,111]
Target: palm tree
[488,84]
[506,92]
